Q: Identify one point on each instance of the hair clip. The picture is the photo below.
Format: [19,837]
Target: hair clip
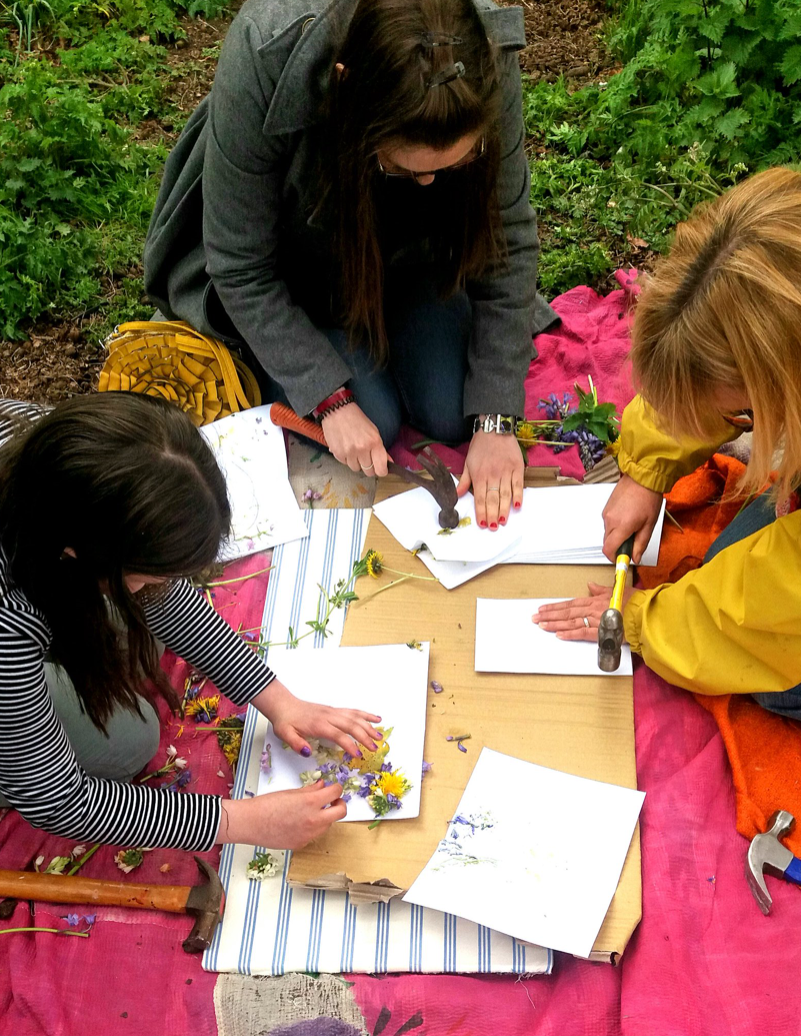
[447,75]
[439,39]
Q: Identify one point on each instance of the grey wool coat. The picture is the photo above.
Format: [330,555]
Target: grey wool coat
[234,209]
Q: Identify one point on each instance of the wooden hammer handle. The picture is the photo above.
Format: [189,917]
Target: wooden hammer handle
[61,888]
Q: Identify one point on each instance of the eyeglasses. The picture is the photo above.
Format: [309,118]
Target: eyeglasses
[741,419]
[477,151]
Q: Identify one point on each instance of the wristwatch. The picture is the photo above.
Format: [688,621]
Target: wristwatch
[503,424]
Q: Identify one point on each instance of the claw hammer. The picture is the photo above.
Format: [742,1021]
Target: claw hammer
[610,629]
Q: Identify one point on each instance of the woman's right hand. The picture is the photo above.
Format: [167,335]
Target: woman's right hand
[282,819]
[630,509]
[354,440]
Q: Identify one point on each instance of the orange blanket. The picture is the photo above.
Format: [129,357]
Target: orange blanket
[764,749]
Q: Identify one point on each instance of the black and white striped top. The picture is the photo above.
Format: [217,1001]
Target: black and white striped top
[39,774]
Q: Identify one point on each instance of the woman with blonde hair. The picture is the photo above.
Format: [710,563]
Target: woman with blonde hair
[717,349]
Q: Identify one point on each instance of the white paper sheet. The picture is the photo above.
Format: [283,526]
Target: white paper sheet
[532,852]
[390,681]
[250,451]
[453,573]
[507,641]
[563,525]
[413,519]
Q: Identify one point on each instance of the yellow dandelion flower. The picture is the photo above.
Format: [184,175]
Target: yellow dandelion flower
[375,563]
[391,783]
[613,448]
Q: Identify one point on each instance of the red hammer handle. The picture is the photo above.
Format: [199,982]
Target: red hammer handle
[285,417]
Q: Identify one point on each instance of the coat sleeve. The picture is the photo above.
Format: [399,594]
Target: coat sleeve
[732,626]
[243,177]
[655,459]
[506,308]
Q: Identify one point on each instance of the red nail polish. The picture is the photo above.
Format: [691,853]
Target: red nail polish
[518,505]
[483,524]
[502,521]
[493,525]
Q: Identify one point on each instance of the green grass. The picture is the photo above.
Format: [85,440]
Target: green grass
[77,186]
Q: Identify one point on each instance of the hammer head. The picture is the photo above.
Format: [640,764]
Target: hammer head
[206,903]
[610,640]
[767,854]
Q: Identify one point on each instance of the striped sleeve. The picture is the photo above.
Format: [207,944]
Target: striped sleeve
[188,625]
[40,776]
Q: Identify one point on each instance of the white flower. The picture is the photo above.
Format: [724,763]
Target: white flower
[79,850]
[179,763]
[172,751]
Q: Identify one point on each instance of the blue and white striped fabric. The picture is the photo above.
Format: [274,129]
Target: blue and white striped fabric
[270,928]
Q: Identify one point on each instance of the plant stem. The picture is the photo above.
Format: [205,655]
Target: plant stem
[53,931]
[86,856]
[241,579]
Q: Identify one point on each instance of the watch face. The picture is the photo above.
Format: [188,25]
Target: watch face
[506,425]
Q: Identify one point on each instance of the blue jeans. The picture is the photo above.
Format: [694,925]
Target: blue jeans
[423,381]
[750,520]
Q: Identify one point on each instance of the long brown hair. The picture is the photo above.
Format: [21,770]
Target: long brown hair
[128,485]
[723,311]
[383,99]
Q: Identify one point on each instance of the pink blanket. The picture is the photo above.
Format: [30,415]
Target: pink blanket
[131,973]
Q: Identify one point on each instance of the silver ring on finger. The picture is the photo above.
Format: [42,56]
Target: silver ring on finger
[586,622]
[370,467]
[493,489]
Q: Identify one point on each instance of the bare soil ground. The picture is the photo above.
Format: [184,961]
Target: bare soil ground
[60,359]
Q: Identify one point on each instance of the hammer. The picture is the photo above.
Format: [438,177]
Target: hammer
[767,854]
[610,629]
[205,901]
[440,485]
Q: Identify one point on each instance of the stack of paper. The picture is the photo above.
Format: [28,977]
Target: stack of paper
[532,852]
[264,512]
[557,525]
[563,525]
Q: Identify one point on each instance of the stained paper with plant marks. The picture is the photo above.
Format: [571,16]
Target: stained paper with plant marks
[532,852]
[264,512]
[390,681]
[413,519]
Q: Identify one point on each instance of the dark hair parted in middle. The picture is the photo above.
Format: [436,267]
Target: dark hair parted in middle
[127,485]
[401,86]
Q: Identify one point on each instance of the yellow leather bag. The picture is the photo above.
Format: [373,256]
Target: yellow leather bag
[170,359]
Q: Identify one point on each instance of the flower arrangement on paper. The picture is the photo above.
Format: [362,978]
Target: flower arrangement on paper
[370,776]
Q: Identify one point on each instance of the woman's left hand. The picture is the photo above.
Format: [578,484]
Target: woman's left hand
[494,465]
[294,720]
[566,618]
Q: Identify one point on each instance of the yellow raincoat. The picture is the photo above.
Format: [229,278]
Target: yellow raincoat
[734,625]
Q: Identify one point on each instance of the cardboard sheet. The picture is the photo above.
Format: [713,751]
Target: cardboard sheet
[520,864]
[586,729]
[507,641]
[352,681]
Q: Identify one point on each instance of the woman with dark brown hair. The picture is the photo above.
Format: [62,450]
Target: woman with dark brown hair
[350,207]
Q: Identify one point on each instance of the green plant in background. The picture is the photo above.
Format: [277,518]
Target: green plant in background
[76,186]
[709,91]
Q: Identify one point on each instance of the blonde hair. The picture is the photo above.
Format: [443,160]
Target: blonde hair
[723,311]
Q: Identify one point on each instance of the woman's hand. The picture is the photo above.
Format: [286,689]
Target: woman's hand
[566,618]
[494,465]
[294,720]
[354,440]
[630,509]
[282,819]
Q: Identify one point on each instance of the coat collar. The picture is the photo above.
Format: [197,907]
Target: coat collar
[299,57]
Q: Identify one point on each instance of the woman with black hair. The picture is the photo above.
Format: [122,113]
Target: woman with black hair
[350,207]
[107,505]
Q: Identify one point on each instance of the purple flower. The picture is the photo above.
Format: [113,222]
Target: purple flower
[266,763]
[71,919]
[181,781]
[346,797]
[462,748]
[426,767]
[241,716]
[347,757]
[436,687]
[394,801]
[386,767]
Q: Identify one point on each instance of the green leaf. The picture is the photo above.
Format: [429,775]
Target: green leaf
[728,125]
[791,65]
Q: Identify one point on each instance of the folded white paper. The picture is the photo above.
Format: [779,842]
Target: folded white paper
[264,512]
[413,519]
[532,852]
[389,680]
[507,641]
